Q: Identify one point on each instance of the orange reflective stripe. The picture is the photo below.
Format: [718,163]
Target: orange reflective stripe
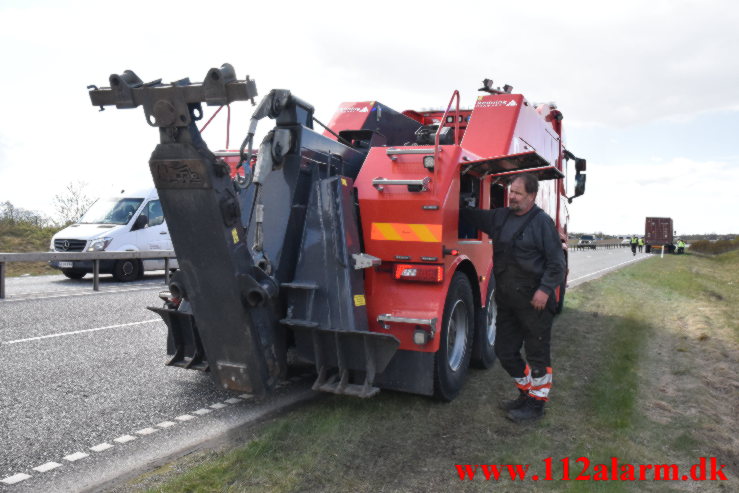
[406,232]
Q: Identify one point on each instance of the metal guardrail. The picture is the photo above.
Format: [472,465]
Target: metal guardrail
[600,246]
[95,257]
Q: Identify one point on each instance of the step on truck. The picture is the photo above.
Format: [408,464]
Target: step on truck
[339,244]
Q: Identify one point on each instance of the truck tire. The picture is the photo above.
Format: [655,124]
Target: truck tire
[74,273]
[127,270]
[483,346]
[457,326]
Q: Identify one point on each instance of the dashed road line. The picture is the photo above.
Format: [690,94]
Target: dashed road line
[101,447]
[15,478]
[124,439]
[146,431]
[75,456]
[47,467]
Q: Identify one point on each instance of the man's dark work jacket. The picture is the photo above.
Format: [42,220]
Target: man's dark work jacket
[537,251]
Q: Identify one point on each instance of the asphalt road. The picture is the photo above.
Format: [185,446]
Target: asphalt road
[85,397]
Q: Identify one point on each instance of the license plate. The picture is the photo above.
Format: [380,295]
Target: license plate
[66,265]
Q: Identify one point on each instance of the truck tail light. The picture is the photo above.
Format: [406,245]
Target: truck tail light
[419,272]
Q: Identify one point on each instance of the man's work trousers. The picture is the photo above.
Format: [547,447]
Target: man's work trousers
[520,325]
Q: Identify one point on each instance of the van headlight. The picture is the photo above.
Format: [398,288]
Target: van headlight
[100,244]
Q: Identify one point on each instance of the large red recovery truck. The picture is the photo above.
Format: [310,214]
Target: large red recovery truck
[344,246]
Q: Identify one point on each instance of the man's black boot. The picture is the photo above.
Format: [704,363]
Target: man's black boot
[530,410]
[511,404]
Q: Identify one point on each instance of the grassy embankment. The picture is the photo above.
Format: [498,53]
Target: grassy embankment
[23,237]
[645,370]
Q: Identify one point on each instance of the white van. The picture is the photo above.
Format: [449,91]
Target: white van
[130,221]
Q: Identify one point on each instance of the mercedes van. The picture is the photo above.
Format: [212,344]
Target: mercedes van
[131,221]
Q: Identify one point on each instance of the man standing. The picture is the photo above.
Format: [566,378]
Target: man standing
[634,243]
[529,268]
[641,244]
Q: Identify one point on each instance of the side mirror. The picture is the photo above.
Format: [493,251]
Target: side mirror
[579,186]
[141,222]
[580,165]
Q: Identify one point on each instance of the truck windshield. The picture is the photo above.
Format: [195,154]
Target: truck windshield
[587,237]
[111,211]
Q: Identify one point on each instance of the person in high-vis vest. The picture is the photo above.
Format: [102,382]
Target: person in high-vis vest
[680,246]
[634,244]
[528,267]
[641,244]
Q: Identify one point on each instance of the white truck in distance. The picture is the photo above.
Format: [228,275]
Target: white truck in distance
[130,221]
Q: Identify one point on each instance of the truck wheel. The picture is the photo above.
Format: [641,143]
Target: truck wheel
[126,270]
[453,356]
[483,346]
[74,273]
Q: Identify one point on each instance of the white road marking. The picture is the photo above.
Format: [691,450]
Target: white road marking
[15,478]
[82,331]
[147,431]
[201,412]
[218,405]
[233,401]
[185,417]
[246,396]
[75,456]
[124,439]
[166,424]
[603,270]
[47,467]
[100,447]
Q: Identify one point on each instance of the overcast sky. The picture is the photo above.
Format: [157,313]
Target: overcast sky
[649,90]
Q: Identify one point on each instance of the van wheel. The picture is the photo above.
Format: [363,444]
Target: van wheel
[127,270]
[483,346]
[453,357]
[73,273]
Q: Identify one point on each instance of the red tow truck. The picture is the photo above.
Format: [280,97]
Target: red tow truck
[344,246]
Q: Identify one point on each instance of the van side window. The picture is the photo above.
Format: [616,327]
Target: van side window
[154,213]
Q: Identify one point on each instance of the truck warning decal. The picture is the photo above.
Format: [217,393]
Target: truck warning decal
[406,232]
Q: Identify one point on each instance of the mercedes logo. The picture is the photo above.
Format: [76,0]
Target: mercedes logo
[65,245]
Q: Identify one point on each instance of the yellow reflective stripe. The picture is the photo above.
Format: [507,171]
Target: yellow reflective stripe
[387,232]
[423,232]
[406,232]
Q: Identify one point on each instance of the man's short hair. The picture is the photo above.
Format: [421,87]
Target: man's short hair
[530,182]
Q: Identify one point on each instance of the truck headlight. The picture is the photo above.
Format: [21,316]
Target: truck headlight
[100,244]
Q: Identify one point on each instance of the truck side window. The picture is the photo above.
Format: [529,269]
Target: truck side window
[469,196]
[154,213]
[497,195]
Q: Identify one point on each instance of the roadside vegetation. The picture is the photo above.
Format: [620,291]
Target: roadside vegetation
[714,247]
[645,370]
[23,230]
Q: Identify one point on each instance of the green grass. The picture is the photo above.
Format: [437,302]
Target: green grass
[640,362]
[23,237]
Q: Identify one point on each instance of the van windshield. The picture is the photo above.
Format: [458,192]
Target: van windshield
[111,211]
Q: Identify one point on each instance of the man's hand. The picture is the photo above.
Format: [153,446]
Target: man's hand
[539,301]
